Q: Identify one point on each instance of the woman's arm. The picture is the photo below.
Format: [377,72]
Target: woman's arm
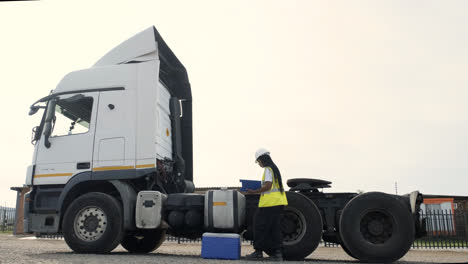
[266,187]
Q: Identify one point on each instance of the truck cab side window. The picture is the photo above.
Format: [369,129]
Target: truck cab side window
[72,116]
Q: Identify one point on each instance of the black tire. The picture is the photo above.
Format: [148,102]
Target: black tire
[301,227]
[376,227]
[144,241]
[343,246]
[93,223]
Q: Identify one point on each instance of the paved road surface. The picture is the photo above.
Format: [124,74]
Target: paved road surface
[31,250]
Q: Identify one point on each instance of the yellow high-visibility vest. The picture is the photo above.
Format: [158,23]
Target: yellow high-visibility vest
[273,197]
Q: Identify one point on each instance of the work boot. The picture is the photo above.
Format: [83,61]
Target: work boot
[257,254]
[277,255]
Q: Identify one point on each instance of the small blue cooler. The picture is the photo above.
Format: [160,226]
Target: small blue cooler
[221,246]
[249,184]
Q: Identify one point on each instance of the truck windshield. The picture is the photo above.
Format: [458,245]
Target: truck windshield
[72,116]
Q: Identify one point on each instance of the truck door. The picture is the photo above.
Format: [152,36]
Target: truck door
[115,132]
[71,141]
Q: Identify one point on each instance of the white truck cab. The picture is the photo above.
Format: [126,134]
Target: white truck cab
[100,117]
[125,121]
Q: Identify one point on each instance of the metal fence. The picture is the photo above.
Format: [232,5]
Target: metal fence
[197,240]
[244,241]
[445,229]
[7,219]
[182,239]
[49,236]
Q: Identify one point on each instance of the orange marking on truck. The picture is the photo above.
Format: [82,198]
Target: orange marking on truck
[113,168]
[145,166]
[53,175]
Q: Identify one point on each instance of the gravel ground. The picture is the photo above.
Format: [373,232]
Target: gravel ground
[31,250]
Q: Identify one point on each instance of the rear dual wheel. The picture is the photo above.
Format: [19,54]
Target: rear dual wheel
[376,227]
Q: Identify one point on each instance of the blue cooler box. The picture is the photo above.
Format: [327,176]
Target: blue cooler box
[249,184]
[221,246]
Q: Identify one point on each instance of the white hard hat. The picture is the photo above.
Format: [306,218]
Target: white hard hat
[260,152]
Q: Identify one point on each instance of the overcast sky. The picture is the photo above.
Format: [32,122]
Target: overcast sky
[361,93]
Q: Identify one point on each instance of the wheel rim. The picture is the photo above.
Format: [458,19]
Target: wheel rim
[293,226]
[377,227]
[90,223]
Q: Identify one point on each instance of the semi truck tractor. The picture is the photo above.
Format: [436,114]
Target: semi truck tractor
[113,164]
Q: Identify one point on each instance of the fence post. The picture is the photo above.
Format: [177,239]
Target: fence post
[4,220]
[465,218]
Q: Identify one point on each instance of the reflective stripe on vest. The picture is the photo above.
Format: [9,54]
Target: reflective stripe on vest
[273,197]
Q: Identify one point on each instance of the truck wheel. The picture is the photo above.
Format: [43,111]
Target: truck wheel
[376,227]
[301,227]
[144,241]
[93,223]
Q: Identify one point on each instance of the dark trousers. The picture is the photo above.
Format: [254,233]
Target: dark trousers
[267,229]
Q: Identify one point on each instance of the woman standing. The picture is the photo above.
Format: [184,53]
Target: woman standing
[267,221]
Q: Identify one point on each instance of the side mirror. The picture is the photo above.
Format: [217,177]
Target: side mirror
[48,121]
[34,109]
